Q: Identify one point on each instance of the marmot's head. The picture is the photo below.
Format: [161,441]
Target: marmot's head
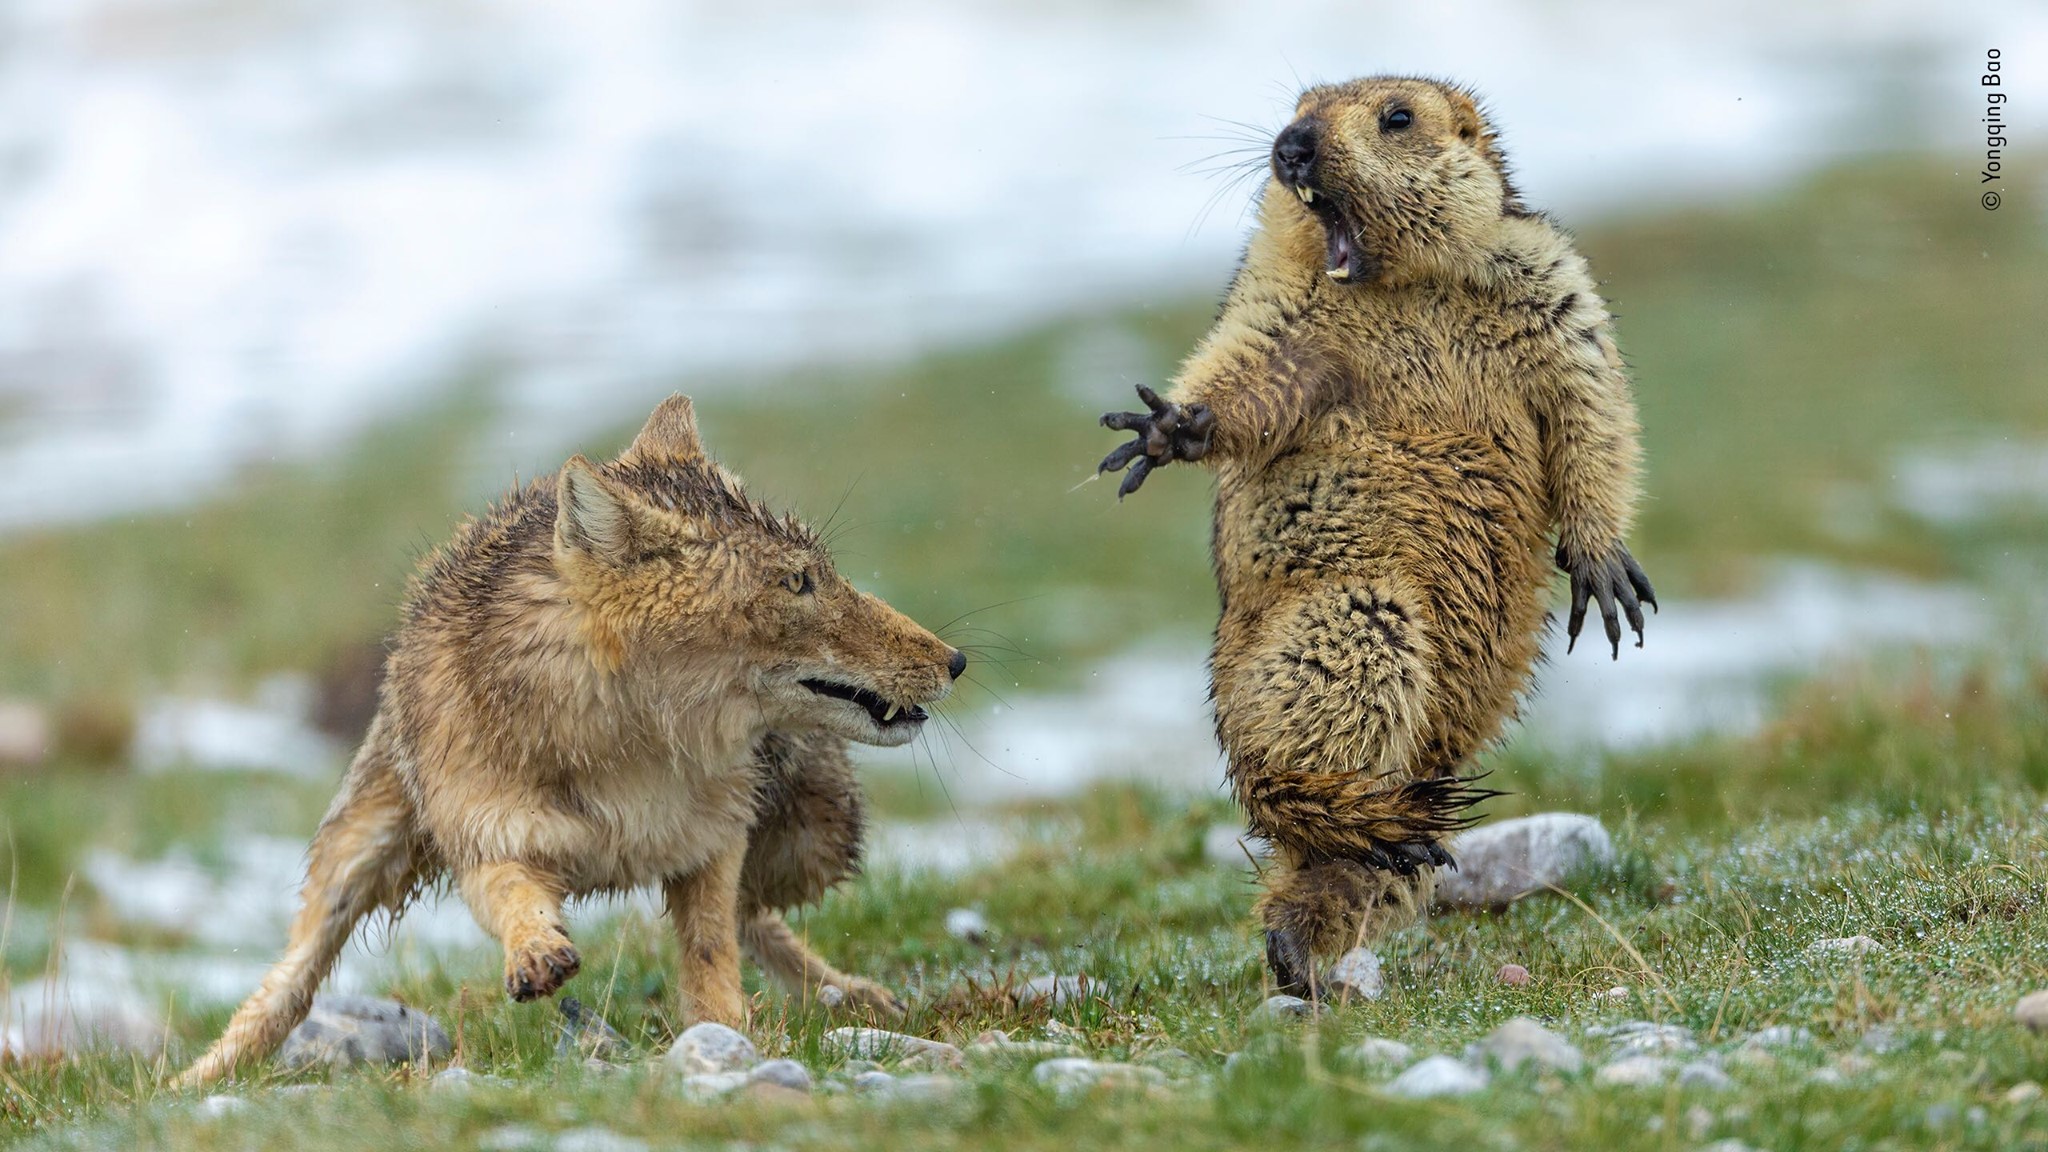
[1393,173]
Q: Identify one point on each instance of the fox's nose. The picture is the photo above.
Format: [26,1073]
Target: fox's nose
[957,664]
[1294,152]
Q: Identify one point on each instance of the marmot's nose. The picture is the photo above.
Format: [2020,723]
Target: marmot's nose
[957,664]
[1294,152]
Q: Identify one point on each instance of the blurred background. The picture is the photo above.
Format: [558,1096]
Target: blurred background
[286,287]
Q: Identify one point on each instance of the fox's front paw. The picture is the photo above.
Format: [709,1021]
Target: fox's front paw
[1167,433]
[1610,577]
[863,997]
[540,965]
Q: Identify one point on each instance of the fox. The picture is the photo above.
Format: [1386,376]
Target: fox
[1412,394]
[620,675]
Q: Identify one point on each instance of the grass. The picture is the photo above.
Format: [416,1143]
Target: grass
[1788,349]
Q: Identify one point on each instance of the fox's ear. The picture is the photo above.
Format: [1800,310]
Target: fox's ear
[670,434]
[592,516]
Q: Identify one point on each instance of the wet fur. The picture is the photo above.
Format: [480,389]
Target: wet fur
[592,691]
[1392,455]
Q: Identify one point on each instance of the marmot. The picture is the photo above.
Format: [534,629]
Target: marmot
[1411,383]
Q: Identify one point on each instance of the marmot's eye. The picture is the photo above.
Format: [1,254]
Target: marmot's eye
[1396,120]
[798,583]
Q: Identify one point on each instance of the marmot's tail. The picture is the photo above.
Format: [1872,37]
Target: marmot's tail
[362,859]
[1353,816]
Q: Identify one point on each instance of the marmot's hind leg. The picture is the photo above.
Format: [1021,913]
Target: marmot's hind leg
[1324,908]
[806,839]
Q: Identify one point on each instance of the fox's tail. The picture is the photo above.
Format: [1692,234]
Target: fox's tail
[363,858]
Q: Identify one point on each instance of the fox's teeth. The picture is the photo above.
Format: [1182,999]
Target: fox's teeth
[1307,197]
[890,714]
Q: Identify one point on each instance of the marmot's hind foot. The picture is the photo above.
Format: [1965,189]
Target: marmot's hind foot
[1293,968]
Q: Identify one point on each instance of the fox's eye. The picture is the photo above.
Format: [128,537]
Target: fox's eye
[1396,119]
[799,583]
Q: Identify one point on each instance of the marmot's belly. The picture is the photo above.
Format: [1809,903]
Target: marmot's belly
[1444,519]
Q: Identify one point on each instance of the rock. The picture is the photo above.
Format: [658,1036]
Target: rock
[586,1036]
[1061,990]
[1356,975]
[1376,1052]
[991,1036]
[1616,994]
[214,1107]
[1069,1075]
[345,1030]
[2032,1011]
[1698,1122]
[1281,1008]
[597,1138]
[989,1051]
[1844,946]
[512,1138]
[1512,974]
[883,1086]
[1778,1036]
[1523,1041]
[831,997]
[458,1078]
[1728,1146]
[937,1058]
[1703,1074]
[2024,1092]
[1502,862]
[1230,846]
[880,1044]
[1643,1036]
[1438,1076]
[1882,1039]
[873,1081]
[1635,1072]
[702,1086]
[767,1093]
[709,1048]
[967,924]
[1171,1061]
[25,734]
[1831,1077]
[784,1073]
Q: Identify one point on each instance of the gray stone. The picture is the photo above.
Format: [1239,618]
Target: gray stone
[1438,1076]
[1778,1036]
[1060,990]
[701,1086]
[596,1138]
[782,1073]
[708,1048]
[1069,1075]
[1523,1041]
[214,1107]
[512,1138]
[1171,1061]
[1636,1072]
[458,1078]
[1830,1076]
[1644,1037]
[967,924]
[1882,1039]
[1844,946]
[1728,1146]
[1377,1052]
[585,1035]
[25,734]
[345,1030]
[1230,846]
[1502,862]
[1356,975]
[2032,1011]
[1703,1074]
[881,1044]
[920,1088]
[1006,1049]
[1283,1008]
[2024,1092]
[872,1081]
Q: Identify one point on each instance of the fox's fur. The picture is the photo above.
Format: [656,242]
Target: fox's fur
[1411,383]
[604,682]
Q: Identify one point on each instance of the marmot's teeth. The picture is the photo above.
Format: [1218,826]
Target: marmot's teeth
[1340,272]
[890,714]
[1307,197]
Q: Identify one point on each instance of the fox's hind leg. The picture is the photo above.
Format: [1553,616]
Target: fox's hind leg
[806,839]
[704,909]
[522,907]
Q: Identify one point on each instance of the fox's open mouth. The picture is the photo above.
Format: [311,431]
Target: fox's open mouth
[883,712]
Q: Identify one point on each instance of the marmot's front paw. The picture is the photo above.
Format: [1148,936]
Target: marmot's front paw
[1169,432]
[1610,578]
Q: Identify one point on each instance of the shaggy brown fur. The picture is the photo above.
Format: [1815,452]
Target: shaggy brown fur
[624,674]
[1411,383]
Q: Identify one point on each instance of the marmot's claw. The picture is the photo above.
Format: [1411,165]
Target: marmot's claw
[1167,433]
[1294,970]
[1615,581]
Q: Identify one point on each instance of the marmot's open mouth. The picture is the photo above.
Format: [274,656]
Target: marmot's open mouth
[882,711]
[1343,261]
